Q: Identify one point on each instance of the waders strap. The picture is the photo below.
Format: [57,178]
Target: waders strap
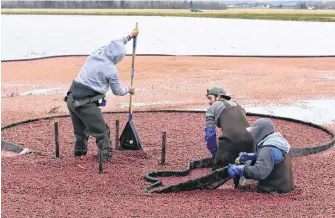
[88,100]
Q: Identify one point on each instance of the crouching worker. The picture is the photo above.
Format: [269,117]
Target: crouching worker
[231,118]
[271,165]
[87,93]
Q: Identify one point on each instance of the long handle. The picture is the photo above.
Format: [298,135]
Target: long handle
[132,75]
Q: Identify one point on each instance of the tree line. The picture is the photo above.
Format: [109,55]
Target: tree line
[209,5]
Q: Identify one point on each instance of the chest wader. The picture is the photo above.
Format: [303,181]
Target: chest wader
[235,138]
[280,179]
[87,119]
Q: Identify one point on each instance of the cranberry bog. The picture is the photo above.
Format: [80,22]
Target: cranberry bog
[40,185]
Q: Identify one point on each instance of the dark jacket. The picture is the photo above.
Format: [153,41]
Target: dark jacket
[231,118]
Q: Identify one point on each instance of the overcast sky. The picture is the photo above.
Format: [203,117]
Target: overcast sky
[200,0]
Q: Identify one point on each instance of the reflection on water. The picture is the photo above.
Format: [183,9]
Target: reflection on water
[317,111]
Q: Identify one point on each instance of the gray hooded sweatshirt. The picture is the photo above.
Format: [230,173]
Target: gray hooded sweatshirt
[99,71]
[264,135]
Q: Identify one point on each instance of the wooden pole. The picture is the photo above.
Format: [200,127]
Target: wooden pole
[117,126]
[56,139]
[101,167]
[163,148]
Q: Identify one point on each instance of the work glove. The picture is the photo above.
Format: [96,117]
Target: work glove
[134,33]
[244,156]
[235,170]
[210,137]
[102,102]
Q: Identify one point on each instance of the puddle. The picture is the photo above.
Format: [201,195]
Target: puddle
[139,104]
[31,92]
[319,111]
[328,76]
[18,85]
[39,91]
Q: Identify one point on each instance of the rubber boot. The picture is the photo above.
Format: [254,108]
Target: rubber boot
[80,147]
[236,181]
[105,144]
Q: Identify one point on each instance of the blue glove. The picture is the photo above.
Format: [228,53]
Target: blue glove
[209,132]
[244,156]
[210,137]
[234,170]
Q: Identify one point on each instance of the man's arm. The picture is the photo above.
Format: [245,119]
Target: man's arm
[210,133]
[124,39]
[210,118]
[114,83]
[263,166]
[99,51]
[127,38]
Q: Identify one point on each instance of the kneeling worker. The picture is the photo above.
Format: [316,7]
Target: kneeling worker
[271,165]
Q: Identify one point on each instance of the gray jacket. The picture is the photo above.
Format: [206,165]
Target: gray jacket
[99,71]
[214,111]
[264,136]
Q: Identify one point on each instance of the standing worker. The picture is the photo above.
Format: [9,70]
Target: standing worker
[87,93]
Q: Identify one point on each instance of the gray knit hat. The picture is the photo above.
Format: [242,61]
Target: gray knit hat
[219,91]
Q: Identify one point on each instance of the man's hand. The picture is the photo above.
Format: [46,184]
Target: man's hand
[134,33]
[132,90]
[244,156]
[234,170]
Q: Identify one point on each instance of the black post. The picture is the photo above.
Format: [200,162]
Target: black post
[56,139]
[117,123]
[163,147]
[101,167]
